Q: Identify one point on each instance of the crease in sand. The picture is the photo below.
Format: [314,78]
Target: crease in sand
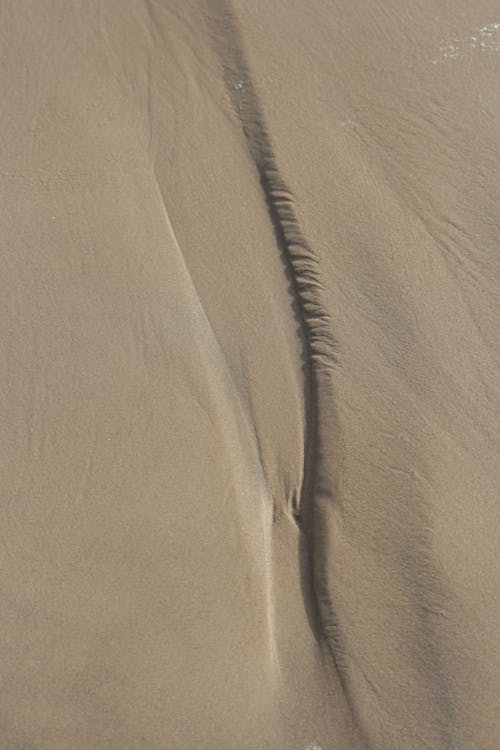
[318,493]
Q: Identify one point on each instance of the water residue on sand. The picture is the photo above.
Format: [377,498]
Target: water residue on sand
[486,39]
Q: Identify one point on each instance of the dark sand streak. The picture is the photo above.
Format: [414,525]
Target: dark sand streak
[318,489]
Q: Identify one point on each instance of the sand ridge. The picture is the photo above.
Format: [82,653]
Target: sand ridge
[248,375]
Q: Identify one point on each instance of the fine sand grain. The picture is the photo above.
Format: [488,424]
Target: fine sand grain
[249,375]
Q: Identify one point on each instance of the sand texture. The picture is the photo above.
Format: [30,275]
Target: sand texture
[249,375]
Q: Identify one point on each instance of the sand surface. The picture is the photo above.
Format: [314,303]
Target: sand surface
[249,375]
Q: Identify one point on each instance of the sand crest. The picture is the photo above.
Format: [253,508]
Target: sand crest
[249,381]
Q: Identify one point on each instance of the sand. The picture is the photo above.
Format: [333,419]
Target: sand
[249,375]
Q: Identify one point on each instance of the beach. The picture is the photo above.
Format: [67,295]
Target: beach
[249,375]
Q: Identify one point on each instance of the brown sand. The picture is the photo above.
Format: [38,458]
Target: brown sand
[249,395]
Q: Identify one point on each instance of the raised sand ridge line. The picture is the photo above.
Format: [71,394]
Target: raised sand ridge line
[320,355]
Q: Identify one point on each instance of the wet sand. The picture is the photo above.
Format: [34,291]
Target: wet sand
[249,381]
